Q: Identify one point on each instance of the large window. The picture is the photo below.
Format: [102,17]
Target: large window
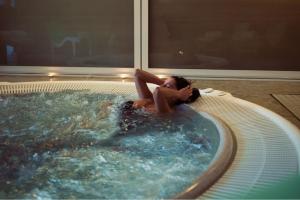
[224,34]
[68,33]
[210,38]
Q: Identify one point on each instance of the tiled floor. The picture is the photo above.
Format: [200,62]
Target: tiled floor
[259,92]
[256,91]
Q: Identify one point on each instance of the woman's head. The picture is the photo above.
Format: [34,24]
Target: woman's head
[194,96]
[180,82]
[176,82]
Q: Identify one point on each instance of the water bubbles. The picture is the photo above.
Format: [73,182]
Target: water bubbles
[101,159]
[75,144]
[35,156]
[85,103]
[4,102]
[32,128]
[40,195]
[67,97]
[144,166]
[48,102]
[197,146]
[78,118]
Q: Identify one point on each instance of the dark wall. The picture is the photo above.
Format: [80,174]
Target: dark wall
[201,34]
[67,32]
[225,34]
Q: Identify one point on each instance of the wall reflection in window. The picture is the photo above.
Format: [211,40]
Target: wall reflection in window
[224,34]
[68,32]
[11,3]
[10,55]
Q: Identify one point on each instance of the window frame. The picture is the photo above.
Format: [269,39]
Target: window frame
[141,56]
[92,71]
[204,73]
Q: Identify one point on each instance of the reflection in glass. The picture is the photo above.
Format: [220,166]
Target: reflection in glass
[10,55]
[67,32]
[224,34]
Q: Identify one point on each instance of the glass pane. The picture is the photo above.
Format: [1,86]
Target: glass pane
[67,33]
[224,34]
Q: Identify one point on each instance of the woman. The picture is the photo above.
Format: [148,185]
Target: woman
[169,93]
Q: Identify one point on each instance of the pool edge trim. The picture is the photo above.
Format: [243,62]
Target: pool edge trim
[220,163]
[289,127]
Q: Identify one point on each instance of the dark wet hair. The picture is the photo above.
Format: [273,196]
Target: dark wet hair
[181,82]
[194,96]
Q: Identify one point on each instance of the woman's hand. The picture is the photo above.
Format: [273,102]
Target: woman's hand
[185,93]
[142,103]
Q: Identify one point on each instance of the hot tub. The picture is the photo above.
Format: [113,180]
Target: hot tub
[63,140]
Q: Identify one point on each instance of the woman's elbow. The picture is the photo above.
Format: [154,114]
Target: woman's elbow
[157,92]
[137,72]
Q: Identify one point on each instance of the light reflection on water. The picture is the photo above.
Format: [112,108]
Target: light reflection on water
[68,145]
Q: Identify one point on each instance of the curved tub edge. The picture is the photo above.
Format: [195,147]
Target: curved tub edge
[220,163]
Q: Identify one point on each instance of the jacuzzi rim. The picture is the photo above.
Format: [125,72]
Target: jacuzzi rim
[217,167]
[220,163]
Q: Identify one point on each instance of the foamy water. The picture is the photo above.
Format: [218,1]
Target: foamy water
[66,145]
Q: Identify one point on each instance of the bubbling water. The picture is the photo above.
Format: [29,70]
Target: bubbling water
[67,145]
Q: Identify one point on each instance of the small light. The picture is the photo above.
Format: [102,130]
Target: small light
[124,75]
[50,74]
[161,76]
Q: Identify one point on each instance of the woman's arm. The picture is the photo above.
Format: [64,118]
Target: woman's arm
[148,77]
[165,98]
[161,100]
[173,95]
[141,79]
